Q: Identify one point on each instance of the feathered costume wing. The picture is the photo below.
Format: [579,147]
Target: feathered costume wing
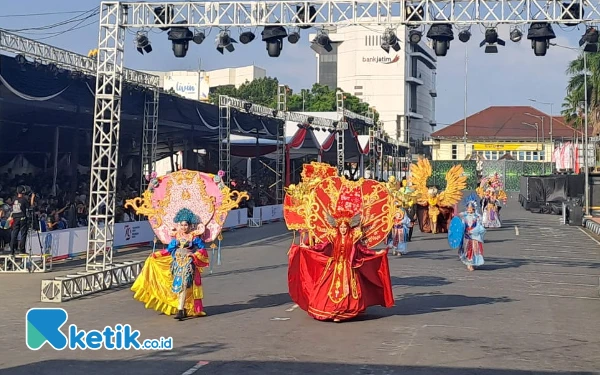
[419,174]
[456,182]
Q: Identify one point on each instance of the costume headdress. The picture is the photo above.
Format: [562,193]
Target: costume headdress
[186,215]
[348,208]
[471,201]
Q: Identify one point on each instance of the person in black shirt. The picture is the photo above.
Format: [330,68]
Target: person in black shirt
[20,221]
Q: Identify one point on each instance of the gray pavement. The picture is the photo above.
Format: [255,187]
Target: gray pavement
[532,309]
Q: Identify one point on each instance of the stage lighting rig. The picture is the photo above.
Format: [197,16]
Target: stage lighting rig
[414,13]
[464,36]
[491,39]
[225,42]
[590,40]
[273,36]
[572,11]
[294,37]
[441,35]
[163,16]
[199,37]
[301,14]
[516,35]
[540,34]
[143,43]
[321,44]
[247,37]
[414,36]
[390,40]
[180,36]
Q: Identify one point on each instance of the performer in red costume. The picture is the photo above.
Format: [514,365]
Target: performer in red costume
[340,276]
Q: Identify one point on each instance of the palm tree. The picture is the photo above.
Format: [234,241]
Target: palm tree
[572,108]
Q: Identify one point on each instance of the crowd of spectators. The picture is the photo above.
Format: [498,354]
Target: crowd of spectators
[59,209]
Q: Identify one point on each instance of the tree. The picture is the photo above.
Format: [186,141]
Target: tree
[263,91]
[572,106]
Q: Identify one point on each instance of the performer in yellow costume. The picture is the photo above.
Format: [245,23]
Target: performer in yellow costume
[197,203]
[435,209]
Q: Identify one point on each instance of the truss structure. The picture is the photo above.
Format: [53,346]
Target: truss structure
[340,134]
[360,12]
[225,137]
[149,137]
[25,263]
[373,153]
[280,166]
[105,150]
[72,286]
[66,59]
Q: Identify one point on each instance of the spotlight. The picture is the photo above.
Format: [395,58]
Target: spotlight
[540,34]
[247,107]
[301,16]
[273,36]
[163,16]
[293,37]
[441,34]
[180,36]
[143,43]
[516,35]
[321,44]
[491,38]
[464,36]
[199,37]
[591,38]
[572,11]
[246,37]
[310,119]
[389,39]
[275,113]
[414,36]
[225,42]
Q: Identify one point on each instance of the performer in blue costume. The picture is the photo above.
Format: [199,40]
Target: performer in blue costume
[398,237]
[471,251]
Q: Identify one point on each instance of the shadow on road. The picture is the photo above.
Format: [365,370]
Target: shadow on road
[259,302]
[420,281]
[158,365]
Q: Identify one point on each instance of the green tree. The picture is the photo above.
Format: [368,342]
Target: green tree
[572,106]
[261,91]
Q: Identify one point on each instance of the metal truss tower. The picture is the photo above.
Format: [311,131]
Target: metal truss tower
[340,134]
[225,137]
[149,137]
[281,145]
[105,141]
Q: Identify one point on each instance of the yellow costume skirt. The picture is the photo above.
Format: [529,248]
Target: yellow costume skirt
[153,288]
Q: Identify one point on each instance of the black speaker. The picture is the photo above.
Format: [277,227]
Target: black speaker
[575,215]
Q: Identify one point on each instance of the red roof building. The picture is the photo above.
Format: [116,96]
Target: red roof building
[523,132]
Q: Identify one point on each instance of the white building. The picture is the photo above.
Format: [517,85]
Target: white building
[197,84]
[399,85]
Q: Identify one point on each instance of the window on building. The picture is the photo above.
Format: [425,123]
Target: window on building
[542,155]
[357,93]
[413,98]
[454,152]
[358,87]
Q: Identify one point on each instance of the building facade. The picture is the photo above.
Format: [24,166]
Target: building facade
[197,84]
[522,132]
[399,85]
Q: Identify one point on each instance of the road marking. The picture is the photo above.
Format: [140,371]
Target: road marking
[195,368]
[292,308]
[516,230]
[280,318]
[587,234]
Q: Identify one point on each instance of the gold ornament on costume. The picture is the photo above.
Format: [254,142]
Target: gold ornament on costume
[456,182]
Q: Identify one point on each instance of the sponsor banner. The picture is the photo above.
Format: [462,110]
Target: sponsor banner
[506,147]
[269,213]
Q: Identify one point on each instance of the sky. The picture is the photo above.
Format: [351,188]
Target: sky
[510,77]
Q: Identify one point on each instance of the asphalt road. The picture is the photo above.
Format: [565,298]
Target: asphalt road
[532,309]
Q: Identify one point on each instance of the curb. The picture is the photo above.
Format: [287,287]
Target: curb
[592,226]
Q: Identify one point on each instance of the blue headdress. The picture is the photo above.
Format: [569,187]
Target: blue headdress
[471,201]
[186,215]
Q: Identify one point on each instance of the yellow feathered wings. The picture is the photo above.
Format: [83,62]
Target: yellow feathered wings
[456,182]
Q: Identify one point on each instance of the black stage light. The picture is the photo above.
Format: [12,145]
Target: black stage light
[301,16]
[414,36]
[464,36]
[540,34]
[143,43]
[180,36]
[390,40]
[321,44]
[491,39]
[441,35]
[247,37]
[273,37]
[225,42]
[589,40]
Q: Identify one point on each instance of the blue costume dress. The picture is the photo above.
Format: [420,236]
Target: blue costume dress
[399,234]
[471,252]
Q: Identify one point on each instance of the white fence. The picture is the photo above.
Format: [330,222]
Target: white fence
[70,243]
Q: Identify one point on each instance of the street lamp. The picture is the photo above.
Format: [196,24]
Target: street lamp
[551,114]
[537,133]
[543,137]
